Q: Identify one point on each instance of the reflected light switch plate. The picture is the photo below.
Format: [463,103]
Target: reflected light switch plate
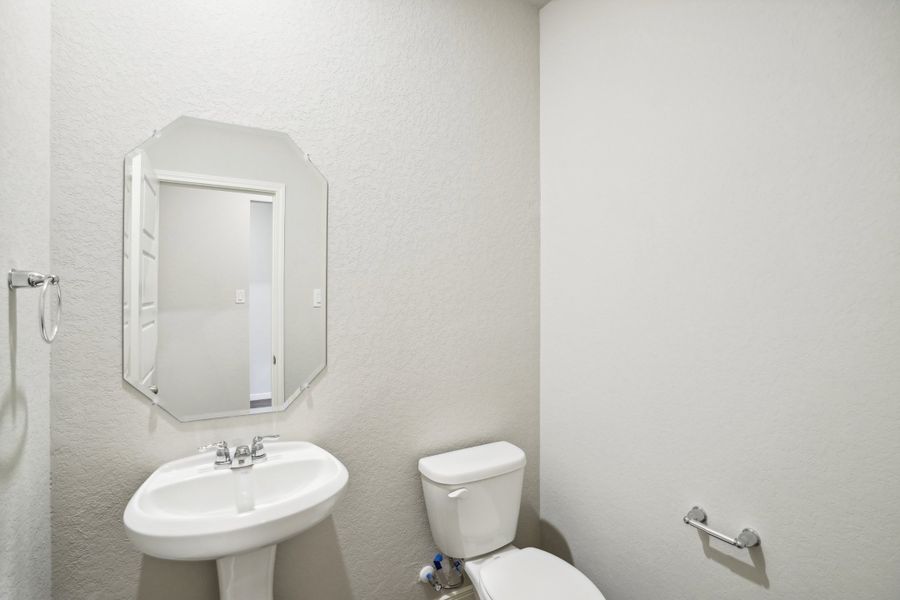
[240,296]
[317,298]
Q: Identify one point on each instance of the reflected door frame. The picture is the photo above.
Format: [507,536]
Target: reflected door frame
[140,327]
[277,191]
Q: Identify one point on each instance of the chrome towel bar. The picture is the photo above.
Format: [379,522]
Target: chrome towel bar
[696,517]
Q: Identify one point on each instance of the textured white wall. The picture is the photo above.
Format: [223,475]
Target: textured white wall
[720,294]
[423,115]
[24,244]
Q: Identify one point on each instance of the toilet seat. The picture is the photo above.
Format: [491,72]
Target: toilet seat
[532,574]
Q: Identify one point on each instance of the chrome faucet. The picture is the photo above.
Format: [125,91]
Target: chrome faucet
[244,456]
[223,455]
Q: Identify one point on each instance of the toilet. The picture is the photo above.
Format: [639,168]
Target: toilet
[472,497]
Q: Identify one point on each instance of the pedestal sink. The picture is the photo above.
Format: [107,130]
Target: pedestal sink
[188,510]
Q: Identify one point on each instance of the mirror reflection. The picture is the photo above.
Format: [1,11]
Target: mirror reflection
[224,270]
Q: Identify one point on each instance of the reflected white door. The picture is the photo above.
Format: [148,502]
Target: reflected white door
[142,321]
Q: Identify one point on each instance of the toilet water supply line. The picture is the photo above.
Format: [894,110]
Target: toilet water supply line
[438,578]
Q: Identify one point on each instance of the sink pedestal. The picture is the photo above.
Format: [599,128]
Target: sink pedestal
[189,510]
[247,576]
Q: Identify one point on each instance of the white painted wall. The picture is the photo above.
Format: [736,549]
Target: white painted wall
[411,110]
[24,244]
[204,336]
[720,292]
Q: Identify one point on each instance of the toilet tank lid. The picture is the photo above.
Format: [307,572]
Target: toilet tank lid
[472,464]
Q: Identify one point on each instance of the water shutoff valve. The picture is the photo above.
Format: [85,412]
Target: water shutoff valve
[441,578]
[426,576]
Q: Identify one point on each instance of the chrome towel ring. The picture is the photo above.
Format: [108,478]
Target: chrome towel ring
[30,279]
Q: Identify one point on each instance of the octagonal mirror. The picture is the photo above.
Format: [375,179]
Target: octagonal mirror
[224,266]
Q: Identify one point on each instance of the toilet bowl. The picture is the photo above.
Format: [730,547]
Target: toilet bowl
[528,574]
[472,497]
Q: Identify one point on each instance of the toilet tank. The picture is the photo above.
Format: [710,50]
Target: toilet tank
[473,496]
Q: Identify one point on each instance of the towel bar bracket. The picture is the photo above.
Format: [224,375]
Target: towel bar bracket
[696,518]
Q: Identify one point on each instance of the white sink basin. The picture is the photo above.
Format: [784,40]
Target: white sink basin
[188,510]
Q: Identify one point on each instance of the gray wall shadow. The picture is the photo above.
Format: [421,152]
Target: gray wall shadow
[528,529]
[754,571]
[311,566]
[13,404]
[553,541]
[177,580]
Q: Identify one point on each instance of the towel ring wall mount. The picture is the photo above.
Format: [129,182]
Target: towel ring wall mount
[30,279]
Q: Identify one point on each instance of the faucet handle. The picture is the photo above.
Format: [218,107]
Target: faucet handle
[223,455]
[258,438]
[259,451]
